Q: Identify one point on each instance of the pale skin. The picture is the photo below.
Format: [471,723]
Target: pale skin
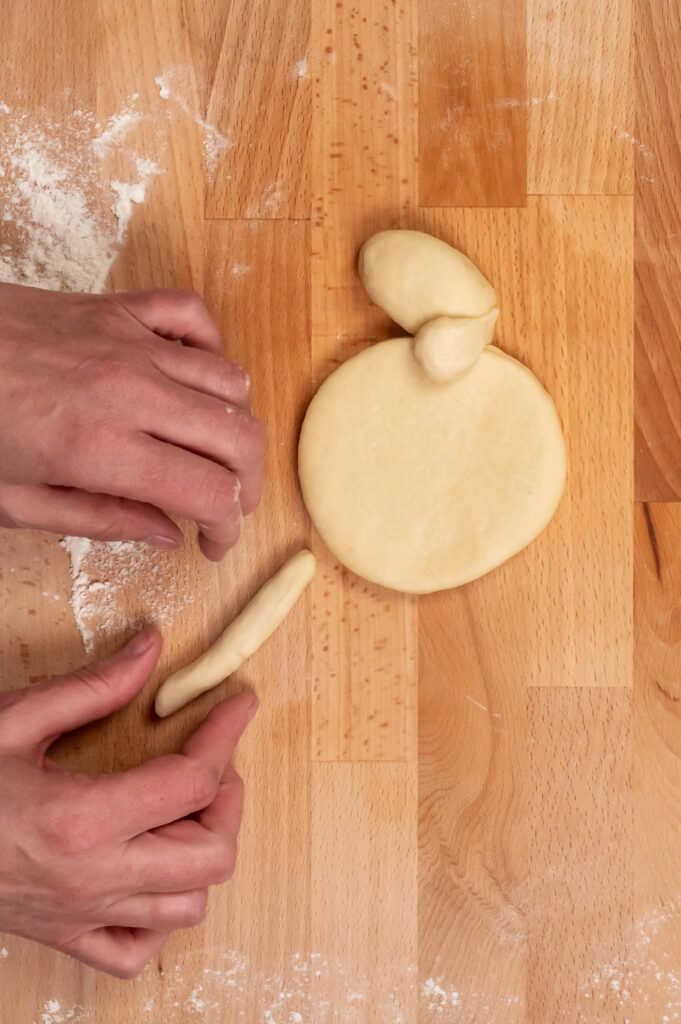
[108,428]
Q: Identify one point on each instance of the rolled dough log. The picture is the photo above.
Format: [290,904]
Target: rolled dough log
[416,278]
[421,486]
[243,636]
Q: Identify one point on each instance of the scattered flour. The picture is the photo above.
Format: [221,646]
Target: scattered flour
[274,196]
[58,230]
[301,69]
[639,146]
[178,84]
[106,575]
[117,128]
[239,269]
[310,989]
[438,997]
[4,953]
[639,979]
[54,1013]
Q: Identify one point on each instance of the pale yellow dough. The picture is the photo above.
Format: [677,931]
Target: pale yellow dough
[448,347]
[415,278]
[243,636]
[421,486]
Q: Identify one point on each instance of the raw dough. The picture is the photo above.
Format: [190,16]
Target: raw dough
[448,347]
[422,486]
[416,278]
[243,636]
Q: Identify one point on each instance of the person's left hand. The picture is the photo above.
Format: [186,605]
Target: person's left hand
[106,426]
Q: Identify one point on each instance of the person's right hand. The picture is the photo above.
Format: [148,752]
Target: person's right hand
[105,868]
[105,426]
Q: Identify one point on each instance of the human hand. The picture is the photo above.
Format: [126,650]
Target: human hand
[105,868]
[104,423]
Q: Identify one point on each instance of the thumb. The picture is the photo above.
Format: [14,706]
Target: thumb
[67,702]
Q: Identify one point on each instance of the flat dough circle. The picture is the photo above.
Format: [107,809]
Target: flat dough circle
[421,486]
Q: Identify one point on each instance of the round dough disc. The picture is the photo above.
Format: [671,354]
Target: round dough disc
[421,486]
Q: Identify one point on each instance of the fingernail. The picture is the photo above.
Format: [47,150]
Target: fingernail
[252,709]
[139,644]
[159,541]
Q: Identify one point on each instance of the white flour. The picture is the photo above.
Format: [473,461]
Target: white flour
[178,84]
[54,1013]
[105,576]
[308,990]
[62,224]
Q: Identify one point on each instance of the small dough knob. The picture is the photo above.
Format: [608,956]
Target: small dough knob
[448,347]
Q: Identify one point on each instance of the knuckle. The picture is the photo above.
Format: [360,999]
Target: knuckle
[204,783]
[192,910]
[93,679]
[251,439]
[221,862]
[235,378]
[216,497]
[189,301]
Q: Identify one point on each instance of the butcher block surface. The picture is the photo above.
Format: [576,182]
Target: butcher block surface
[464,808]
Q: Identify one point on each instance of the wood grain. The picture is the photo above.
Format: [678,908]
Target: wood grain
[658,253]
[260,103]
[579,95]
[472,103]
[579,832]
[472,736]
[364,141]
[41,53]
[651,971]
[367,970]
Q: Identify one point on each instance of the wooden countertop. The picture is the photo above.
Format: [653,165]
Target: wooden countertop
[465,808]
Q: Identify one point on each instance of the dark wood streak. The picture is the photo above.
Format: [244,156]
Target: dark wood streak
[653,540]
[667,694]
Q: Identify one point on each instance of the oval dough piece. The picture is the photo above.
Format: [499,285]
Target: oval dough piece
[243,636]
[415,278]
[421,487]
[449,347]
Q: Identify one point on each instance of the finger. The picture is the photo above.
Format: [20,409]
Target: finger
[179,481]
[123,952]
[177,857]
[204,372]
[158,792]
[187,854]
[216,738]
[215,541]
[175,314]
[216,429]
[81,514]
[213,550]
[159,911]
[223,816]
[64,703]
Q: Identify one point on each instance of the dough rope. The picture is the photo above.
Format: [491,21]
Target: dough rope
[249,631]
